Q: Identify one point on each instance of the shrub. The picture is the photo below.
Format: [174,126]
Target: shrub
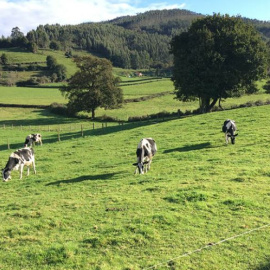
[59,109]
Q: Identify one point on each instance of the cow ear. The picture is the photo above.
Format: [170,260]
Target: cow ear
[145,162]
[229,135]
[135,164]
[236,135]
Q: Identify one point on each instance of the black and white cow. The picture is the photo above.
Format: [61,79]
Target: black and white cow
[145,151]
[32,139]
[229,128]
[17,160]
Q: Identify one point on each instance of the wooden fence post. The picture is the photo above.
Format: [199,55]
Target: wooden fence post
[59,139]
[82,130]
[8,146]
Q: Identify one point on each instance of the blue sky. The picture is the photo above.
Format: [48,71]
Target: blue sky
[28,14]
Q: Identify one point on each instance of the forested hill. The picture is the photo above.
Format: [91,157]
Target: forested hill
[163,22]
[140,41]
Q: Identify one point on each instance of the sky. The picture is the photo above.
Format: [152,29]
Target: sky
[29,14]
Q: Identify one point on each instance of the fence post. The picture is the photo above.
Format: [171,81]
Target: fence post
[82,130]
[8,146]
[59,139]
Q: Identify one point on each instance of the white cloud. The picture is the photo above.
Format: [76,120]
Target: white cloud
[28,14]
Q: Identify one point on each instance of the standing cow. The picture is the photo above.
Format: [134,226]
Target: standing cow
[145,151]
[32,139]
[229,128]
[17,160]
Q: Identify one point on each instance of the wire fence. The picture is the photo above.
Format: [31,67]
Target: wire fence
[210,245]
[58,130]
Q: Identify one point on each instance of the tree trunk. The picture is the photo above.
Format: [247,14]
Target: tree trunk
[93,113]
[219,104]
[213,103]
[205,105]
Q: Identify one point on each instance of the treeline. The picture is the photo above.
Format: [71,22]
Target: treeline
[136,42]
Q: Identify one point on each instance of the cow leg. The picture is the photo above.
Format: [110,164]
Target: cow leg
[149,164]
[28,170]
[21,171]
[34,166]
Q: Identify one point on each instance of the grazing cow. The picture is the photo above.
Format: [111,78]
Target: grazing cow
[229,128]
[32,139]
[145,151]
[17,160]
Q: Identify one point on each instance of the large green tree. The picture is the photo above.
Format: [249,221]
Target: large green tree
[218,57]
[93,86]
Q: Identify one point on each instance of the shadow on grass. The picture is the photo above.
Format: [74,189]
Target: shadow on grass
[53,138]
[82,178]
[47,118]
[188,148]
[263,267]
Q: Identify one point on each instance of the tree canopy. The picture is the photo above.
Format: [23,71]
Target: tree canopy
[218,57]
[93,86]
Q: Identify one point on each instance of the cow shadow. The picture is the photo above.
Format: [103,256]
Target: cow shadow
[188,148]
[83,178]
[263,267]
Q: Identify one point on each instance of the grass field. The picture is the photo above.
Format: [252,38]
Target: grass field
[203,206]
[167,103]
[85,209]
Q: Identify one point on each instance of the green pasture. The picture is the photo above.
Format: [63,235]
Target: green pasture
[16,56]
[23,58]
[142,88]
[85,208]
[30,96]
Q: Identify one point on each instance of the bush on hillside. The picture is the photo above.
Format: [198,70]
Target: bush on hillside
[59,109]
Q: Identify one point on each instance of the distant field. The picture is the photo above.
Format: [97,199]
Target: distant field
[39,96]
[85,209]
[16,57]
[30,96]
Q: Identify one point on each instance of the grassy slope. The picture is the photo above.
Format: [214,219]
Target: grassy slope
[86,210]
[16,56]
[21,95]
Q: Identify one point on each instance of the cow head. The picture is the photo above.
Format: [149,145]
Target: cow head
[140,166]
[232,136]
[6,174]
[36,137]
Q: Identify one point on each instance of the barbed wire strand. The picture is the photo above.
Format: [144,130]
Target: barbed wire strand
[207,246]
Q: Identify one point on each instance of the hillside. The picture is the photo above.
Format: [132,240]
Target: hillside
[203,205]
[162,22]
[137,42]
